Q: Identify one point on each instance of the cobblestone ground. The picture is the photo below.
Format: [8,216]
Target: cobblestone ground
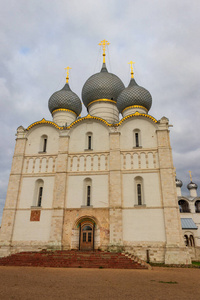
[51,283]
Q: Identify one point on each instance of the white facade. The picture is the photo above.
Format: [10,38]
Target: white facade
[115,176]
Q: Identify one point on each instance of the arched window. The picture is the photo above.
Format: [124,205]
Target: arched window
[136,138]
[197,206]
[139,190]
[183,206]
[191,241]
[186,240]
[43,143]
[89,141]
[87,192]
[39,186]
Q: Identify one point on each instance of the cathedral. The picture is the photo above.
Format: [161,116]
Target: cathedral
[98,182]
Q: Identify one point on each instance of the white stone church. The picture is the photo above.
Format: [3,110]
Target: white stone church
[95,182]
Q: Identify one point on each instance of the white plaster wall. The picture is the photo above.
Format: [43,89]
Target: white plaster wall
[25,230]
[27,194]
[34,139]
[100,136]
[143,225]
[151,189]
[147,133]
[99,191]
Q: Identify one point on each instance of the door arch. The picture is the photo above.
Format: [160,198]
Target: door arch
[86,236]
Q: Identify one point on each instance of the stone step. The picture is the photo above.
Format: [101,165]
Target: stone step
[72,259]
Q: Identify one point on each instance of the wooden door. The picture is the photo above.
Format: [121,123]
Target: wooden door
[87,237]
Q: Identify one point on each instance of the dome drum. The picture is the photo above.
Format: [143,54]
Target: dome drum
[64,117]
[132,110]
[106,110]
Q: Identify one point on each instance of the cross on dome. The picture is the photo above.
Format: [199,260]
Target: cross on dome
[190,175]
[104,43]
[67,78]
[132,73]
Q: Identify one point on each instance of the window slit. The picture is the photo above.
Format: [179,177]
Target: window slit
[45,145]
[88,195]
[89,142]
[136,139]
[40,196]
[139,194]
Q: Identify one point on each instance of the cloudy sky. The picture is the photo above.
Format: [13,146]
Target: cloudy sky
[39,38]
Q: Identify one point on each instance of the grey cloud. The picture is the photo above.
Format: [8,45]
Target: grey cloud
[40,38]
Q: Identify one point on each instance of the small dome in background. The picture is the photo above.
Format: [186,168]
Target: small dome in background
[134,95]
[192,185]
[179,183]
[102,85]
[65,99]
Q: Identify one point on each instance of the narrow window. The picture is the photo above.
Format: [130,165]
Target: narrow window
[139,194]
[186,240]
[40,196]
[89,142]
[45,145]
[137,139]
[88,195]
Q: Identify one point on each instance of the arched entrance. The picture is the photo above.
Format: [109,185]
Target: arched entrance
[86,235]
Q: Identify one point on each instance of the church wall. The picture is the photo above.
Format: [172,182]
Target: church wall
[29,195]
[143,225]
[78,137]
[76,196]
[151,194]
[147,134]
[26,230]
[33,145]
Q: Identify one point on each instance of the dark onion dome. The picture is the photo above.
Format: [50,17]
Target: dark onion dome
[134,95]
[179,183]
[192,185]
[102,85]
[65,99]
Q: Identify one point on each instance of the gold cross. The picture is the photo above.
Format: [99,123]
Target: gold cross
[104,43]
[190,176]
[67,78]
[131,63]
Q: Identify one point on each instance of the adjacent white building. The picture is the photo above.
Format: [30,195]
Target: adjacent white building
[96,182]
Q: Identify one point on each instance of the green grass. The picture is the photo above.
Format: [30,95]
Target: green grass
[169,282]
[196,263]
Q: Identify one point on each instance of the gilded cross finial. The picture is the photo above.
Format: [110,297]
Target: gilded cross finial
[104,43]
[175,171]
[132,73]
[67,78]
[190,175]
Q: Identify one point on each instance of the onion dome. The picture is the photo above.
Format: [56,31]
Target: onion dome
[134,95]
[65,99]
[102,86]
[192,185]
[179,183]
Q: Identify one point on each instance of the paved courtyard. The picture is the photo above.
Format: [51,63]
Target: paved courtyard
[51,283]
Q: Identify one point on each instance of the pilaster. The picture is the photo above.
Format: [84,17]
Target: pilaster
[175,249]
[8,219]
[115,193]
[59,192]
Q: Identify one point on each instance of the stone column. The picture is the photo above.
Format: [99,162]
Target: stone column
[8,219]
[115,193]
[59,196]
[176,252]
